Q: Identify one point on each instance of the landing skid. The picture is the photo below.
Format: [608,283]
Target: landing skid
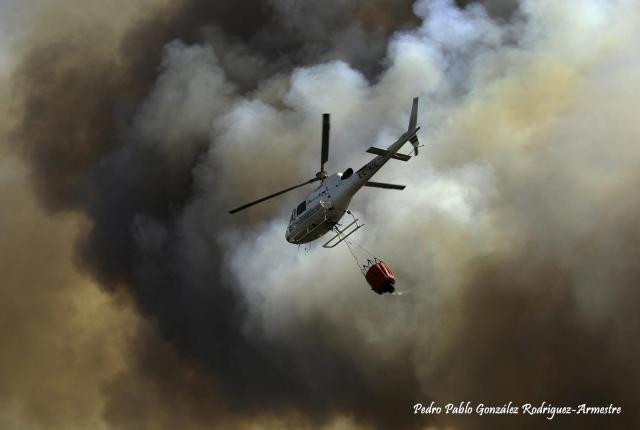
[341,235]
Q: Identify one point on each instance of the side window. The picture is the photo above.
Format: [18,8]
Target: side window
[301,207]
[293,215]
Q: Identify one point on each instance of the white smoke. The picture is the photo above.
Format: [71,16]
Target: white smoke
[191,90]
[261,147]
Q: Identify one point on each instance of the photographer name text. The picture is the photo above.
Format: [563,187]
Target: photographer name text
[545,409]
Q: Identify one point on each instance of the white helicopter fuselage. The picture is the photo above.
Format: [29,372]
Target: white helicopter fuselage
[327,204]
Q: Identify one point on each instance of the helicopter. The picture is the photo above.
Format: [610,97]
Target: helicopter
[325,206]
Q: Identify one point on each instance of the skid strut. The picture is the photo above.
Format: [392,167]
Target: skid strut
[343,234]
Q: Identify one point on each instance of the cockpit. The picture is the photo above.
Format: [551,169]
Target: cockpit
[301,208]
[298,211]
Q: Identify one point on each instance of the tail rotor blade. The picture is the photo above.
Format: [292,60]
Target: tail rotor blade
[326,126]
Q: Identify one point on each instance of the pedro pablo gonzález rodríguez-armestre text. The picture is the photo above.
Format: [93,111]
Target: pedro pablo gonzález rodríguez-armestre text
[550,411]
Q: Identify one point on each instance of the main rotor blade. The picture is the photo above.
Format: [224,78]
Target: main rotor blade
[386,186]
[326,126]
[272,196]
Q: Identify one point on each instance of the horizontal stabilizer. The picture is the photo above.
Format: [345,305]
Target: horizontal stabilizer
[386,186]
[383,152]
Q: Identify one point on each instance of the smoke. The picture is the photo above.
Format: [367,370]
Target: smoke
[515,243]
[61,336]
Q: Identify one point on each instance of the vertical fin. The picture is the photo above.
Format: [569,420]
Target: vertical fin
[413,120]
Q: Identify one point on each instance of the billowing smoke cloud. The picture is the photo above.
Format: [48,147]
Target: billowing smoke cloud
[515,243]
